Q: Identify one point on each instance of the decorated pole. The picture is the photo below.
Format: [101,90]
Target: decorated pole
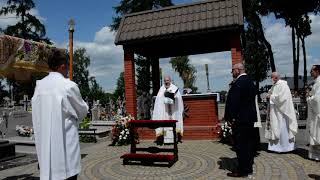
[207,74]
[71,30]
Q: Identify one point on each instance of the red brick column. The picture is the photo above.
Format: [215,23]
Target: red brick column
[129,81]
[155,76]
[236,52]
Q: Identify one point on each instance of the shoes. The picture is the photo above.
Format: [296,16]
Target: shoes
[236,174]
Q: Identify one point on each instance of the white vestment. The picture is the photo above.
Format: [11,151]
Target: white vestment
[57,107]
[314,120]
[162,111]
[283,119]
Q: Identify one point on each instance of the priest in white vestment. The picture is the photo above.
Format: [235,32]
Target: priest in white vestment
[168,107]
[314,114]
[57,108]
[283,119]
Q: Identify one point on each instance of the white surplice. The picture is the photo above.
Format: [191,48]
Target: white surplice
[57,107]
[283,119]
[314,120]
[161,112]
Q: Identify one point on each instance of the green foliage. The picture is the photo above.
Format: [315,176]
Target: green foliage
[143,74]
[186,71]
[84,138]
[132,6]
[119,92]
[29,27]
[81,62]
[85,123]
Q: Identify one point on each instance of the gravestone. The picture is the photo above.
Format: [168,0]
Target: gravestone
[18,117]
[25,102]
[144,106]
[96,111]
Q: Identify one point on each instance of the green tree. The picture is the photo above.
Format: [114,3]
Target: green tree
[29,26]
[186,71]
[81,62]
[132,6]
[256,57]
[96,92]
[119,92]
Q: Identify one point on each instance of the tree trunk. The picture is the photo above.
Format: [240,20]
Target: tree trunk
[295,74]
[304,63]
[268,45]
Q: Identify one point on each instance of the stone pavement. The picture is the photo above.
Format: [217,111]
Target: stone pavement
[203,160]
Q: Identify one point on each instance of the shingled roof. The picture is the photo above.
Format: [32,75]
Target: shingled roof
[177,20]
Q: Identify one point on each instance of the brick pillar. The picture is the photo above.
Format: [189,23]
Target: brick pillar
[129,81]
[155,76]
[236,52]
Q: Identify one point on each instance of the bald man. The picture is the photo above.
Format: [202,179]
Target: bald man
[283,121]
[241,110]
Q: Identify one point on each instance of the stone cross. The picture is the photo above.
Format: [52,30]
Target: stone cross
[25,102]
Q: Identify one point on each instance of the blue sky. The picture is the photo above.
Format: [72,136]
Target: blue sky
[92,33]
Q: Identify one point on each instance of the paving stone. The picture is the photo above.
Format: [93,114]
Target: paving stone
[203,160]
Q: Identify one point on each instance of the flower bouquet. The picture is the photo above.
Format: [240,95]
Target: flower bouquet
[120,132]
[24,131]
[226,133]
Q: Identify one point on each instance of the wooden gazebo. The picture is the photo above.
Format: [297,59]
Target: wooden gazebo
[197,28]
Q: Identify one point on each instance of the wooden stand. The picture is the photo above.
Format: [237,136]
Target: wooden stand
[153,155]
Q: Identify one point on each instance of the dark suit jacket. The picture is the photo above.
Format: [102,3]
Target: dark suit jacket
[240,105]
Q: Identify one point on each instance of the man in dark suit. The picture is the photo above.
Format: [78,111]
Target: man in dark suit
[241,110]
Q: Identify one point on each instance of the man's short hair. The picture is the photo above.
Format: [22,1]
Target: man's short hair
[58,58]
[317,67]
